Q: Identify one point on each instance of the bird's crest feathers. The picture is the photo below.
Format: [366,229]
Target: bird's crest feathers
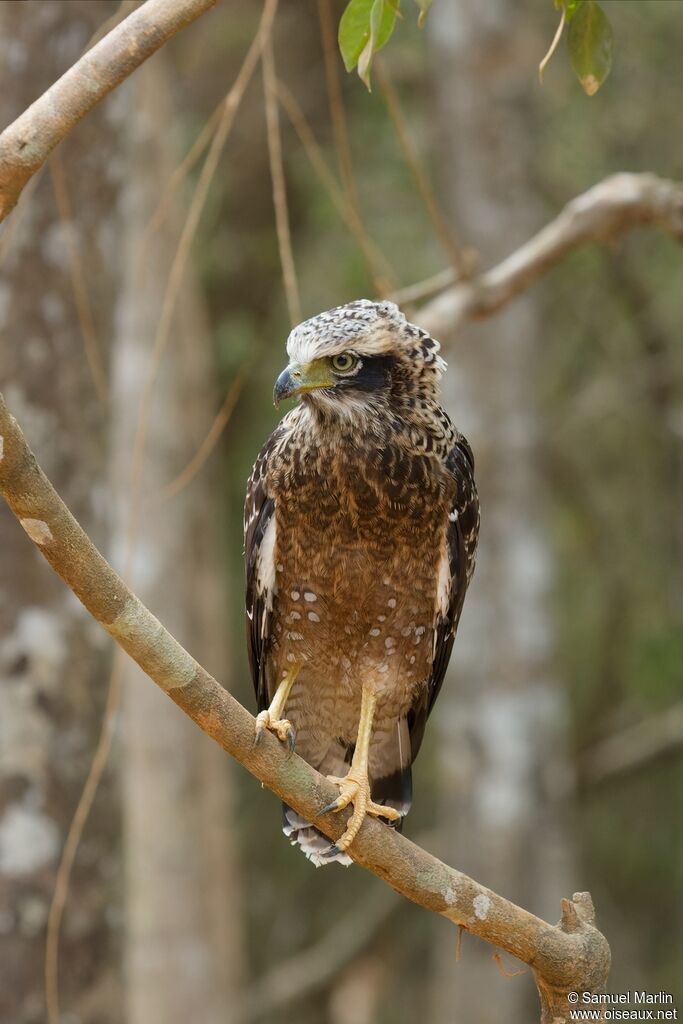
[369,329]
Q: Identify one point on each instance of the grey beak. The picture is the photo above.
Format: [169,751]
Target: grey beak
[285,387]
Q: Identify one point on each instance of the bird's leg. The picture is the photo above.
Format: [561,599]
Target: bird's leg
[355,787]
[272,718]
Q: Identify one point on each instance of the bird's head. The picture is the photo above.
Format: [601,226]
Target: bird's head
[359,357]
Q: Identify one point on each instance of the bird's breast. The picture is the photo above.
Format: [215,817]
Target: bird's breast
[358,544]
[362,490]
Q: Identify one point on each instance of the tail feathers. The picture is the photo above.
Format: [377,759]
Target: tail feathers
[390,761]
[317,847]
[395,790]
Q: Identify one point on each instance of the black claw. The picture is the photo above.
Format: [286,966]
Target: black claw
[334,850]
[258,736]
[291,740]
[334,806]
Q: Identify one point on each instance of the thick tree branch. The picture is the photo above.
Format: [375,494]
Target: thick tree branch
[26,144]
[572,956]
[601,214]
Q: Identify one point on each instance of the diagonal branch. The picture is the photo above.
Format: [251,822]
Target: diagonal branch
[279,184]
[633,747]
[311,969]
[379,269]
[26,144]
[602,214]
[461,259]
[570,957]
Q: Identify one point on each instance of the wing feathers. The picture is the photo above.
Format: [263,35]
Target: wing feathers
[455,569]
[259,550]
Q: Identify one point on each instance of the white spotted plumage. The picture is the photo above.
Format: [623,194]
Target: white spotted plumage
[361,579]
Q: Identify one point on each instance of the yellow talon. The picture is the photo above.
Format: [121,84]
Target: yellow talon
[282,727]
[272,718]
[355,787]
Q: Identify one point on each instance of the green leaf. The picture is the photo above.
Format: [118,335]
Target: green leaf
[424,6]
[365,59]
[590,42]
[365,23]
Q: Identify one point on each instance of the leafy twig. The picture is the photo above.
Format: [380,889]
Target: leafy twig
[589,40]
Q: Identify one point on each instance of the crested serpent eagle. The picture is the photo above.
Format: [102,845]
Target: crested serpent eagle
[361,523]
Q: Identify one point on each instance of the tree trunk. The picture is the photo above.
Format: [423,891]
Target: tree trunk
[183,941]
[504,769]
[54,661]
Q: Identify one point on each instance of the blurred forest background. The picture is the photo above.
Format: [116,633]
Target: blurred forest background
[553,762]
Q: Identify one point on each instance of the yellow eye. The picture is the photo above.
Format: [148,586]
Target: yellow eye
[344,362]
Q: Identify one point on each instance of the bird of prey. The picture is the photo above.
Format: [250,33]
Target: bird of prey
[361,524]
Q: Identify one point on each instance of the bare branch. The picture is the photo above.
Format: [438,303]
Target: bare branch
[381,273]
[634,747]
[313,968]
[601,214]
[336,103]
[73,838]
[572,956]
[422,290]
[378,267]
[463,261]
[229,110]
[277,176]
[220,422]
[26,144]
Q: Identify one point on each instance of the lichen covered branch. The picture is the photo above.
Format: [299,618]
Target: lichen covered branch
[572,956]
[602,214]
[26,144]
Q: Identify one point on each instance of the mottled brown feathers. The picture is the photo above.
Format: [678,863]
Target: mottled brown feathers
[361,524]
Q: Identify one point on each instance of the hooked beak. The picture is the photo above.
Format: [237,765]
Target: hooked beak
[298,378]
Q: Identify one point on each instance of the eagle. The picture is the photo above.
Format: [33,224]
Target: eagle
[361,526]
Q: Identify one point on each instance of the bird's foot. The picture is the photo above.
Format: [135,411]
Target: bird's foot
[355,788]
[282,727]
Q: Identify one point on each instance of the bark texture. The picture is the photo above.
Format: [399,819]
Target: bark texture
[601,215]
[85,81]
[53,665]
